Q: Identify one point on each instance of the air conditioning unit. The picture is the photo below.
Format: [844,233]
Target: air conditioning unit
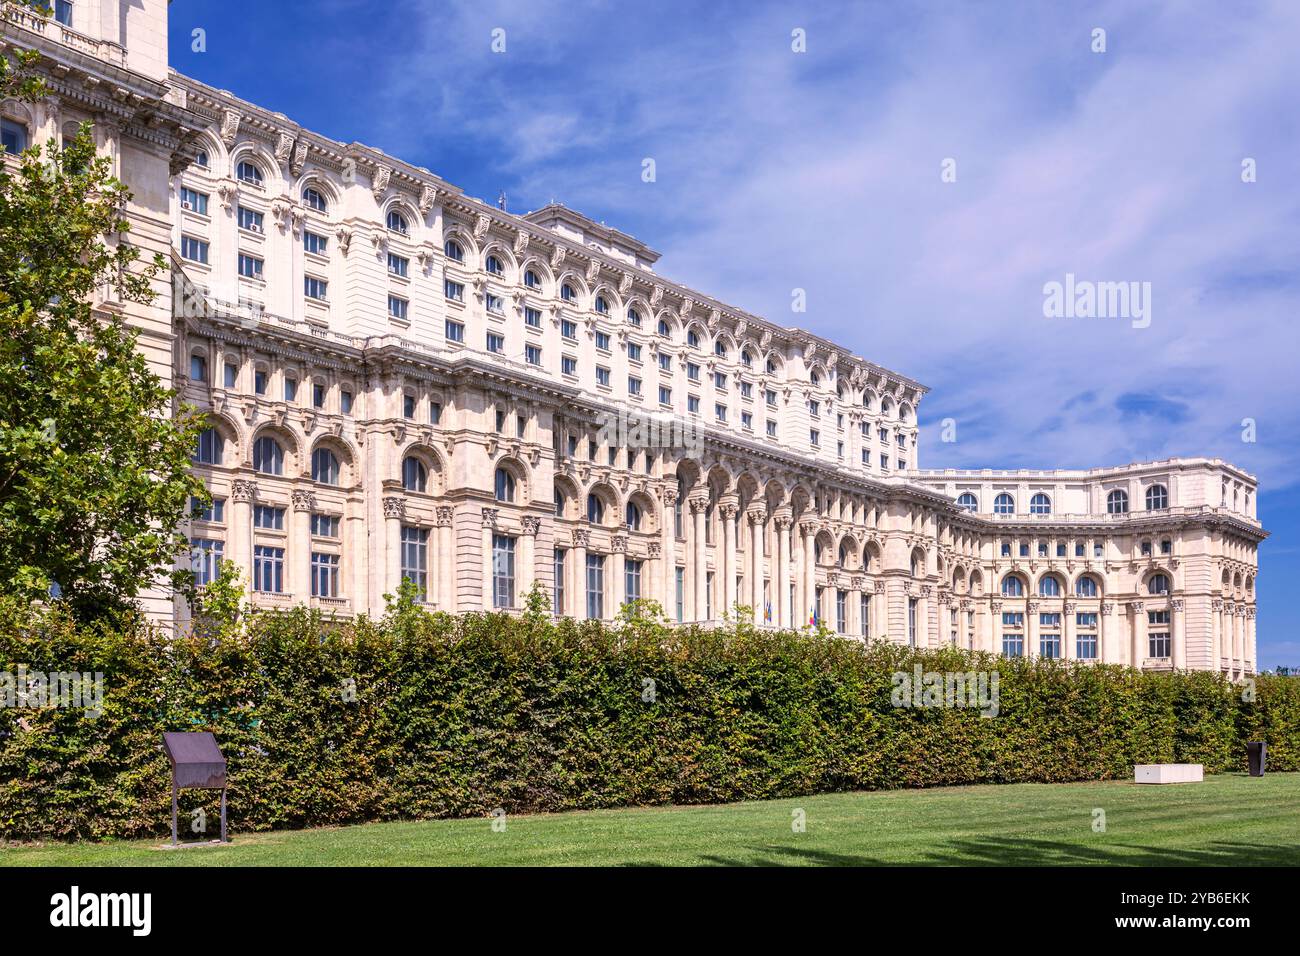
[255,228]
[186,205]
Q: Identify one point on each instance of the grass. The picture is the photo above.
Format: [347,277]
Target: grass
[1230,819]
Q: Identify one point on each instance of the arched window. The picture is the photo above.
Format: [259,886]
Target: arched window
[268,456]
[633,516]
[1004,504]
[532,279]
[634,317]
[595,509]
[415,477]
[886,406]
[1117,502]
[315,200]
[601,305]
[493,265]
[844,556]
[1040,504]
[13,136]
[746,359]
[720,349]
[567,293]
[249,172]
[1157,498]
[1085,587]
[1012,586]
[692,339]
[1158,584]
[397,223]
[559,503]
[663,328]
[505,485]
[324,467]
[1048,586]
[968,501]
[210,448]
[202,160]
[454,250]
[816,377]
[198,367]
[771,366]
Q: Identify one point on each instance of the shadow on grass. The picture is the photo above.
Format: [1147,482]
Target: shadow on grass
[1010,851]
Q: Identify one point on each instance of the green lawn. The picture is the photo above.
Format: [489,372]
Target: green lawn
[1230,820]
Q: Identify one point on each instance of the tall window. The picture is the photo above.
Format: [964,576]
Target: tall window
[1158,633]
[1159,584]
[396,222]
[505,483]
[679,592]
[268,569]
[560,559]
[1157,498]
[595,586]
[248,173]
[205,559]
[415,477]
[268,456]
[632,580]
[864,613]
[324,467]
[314,199]
[454,250]
[503,571]
[1117,502]
[911,622]
[1049,586]
[324,575]
[13,136]
[1013,634]
[415,558]
[1086,636]
[210,447]
[595,509]
[841,610]
[1049,635]
[1012,586]
[633,516]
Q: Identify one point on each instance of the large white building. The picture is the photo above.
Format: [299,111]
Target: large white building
[405,381]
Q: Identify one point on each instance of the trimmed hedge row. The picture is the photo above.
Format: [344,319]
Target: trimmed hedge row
[459,716]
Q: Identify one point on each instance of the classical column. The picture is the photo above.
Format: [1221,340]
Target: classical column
[757,520]
[967,634]
[728,509]
[444,561]
[855,622]
[1216,626]
[304,503]
[995,631]
[528,556]
[578,574]
[1031,629]
[242,495]
[668,539]
[781,581]
[1177,635]
[1250,640]
[654,553]
[1068,631]
[923,636]
[878,612]
[809,595]
[618,582]
[1227,641]
[394,512]
[1139,634]
[1106,643]
[489,527]
[1238,640]
[699,505]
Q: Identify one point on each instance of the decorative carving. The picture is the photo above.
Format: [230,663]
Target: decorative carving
[303,501]
[532,524]
[656,295]
[521,242]
[655,549]
[581,537]
[1107,607]
[443,515]
[481,224]
[283,147]
[395,507]
[618,543]
[344,236]
[379,181]
[299,159]
[427,196]
[229,127]
[557,256]
[715,319]
[1176,604]
[625,283]
[241,489]
[593,270]
[490,517]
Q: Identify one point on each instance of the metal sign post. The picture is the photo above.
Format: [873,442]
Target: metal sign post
[197,764]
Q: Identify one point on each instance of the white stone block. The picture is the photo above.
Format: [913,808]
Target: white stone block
[1168,773]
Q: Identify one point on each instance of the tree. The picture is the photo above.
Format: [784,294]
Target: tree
[94,466]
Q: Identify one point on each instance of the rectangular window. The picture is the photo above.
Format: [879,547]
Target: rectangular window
[231,374]
[290,389]
[569,365]
[213,512]
[194,201]
[269,517]
[324,575]
[841,610]
[205,559]
[747,421]
[633,352]
[602,376]
[1086,638]
[633,385]
[408,406]
[317,395]
[746,390]
[455,331]
[453,290]
[771,397]
[602,341]
[814,437]
[268,569]
[814,408]
[494,303]
[345,402]
[561,557]
[692,371]
[1013,634]
[771,428]
[665,395]
[250,267]
[397,307]
[720,412]
[250,219]
[503,571]
[324,526]
[911,622]
[13,136]
[595,586]
[495,342]
[415,558]
[1049,635]
[398,265]
[693,404]
[679,579]
[665,361]
[864,609]
[569,329]
[631,580]
[1158,635]
[314,288]
[533,354]
[259,382]
[315,244]
[720,381]
[195,250]
[533,317]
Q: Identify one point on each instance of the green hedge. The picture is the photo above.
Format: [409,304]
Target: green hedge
[458,716]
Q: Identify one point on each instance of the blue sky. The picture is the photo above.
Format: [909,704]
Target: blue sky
[820,170]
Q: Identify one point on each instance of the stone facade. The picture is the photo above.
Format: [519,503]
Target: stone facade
[405,381]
